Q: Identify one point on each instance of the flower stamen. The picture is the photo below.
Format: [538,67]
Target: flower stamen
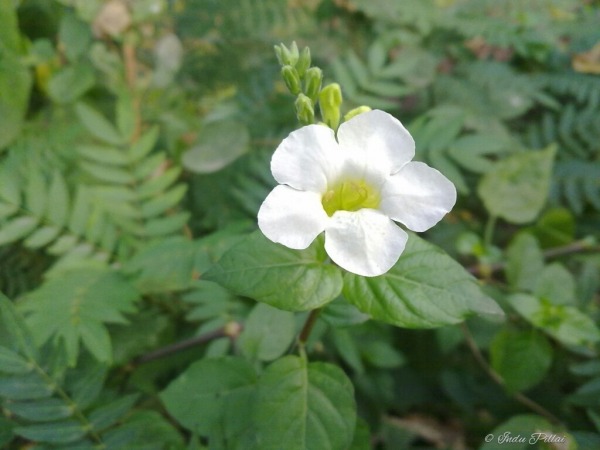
[350,195]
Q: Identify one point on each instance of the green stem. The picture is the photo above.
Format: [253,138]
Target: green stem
[488,234]
[77,413]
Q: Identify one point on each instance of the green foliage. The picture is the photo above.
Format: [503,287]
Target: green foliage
[410,295]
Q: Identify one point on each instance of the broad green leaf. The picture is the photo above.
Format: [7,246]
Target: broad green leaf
[17,229]
[75,36]
[15,86]
[268,333]
[362,436]
[97,125]
[6,432]
[164,266]
[41,410]
[71,83]
[9,31]
[54,433]
[75,305]
[556,227]
[517,188]
[12,362]
[425,289]
[144,430]
[220,143]
[565,323]
[36,192]
[522,358]
[556,284]
[293,280]
[525,261]
[307,406]
[340,313]
[197,399]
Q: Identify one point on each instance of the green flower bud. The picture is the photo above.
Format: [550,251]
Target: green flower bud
[303,62]
[312,82]
[355,112]
[285,56]
[330,100]
[291,78]
[305,110]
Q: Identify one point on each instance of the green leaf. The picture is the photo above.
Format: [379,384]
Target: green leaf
[75,306]
[14,334]
[42,237]
[294,280]
[58,198]
[525,261]
[565,323]
[9,31]
[164,266]
[425,289]
[29,386]
[17,229]
[521,358]
[75,36]
[517,188]
[97,125]
[197,399]
[164,202]
[268,333]
[41,410]
[108,415]
[307,406]
[15,86]
[11,362]
[556,227]
[556,284]
[220,143]
[71,83]
[54,433]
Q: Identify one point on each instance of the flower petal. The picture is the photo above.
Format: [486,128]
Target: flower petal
[307,158]
[418,196]
[380,137]
[364,242]
[292,218]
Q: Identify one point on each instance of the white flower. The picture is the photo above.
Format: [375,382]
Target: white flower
[353,189]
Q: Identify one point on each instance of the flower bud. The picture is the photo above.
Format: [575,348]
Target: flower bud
[355,112]
[291,78]
[285,56]
[305,110]
[330,100]
[312,82]
[303,62]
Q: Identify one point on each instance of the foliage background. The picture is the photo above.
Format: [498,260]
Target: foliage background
[134,147]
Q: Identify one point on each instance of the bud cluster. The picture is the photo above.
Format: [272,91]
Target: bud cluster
[305,82]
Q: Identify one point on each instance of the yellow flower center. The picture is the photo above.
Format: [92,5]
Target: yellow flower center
[350,195]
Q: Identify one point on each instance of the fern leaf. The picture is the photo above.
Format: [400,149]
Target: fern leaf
[75,306]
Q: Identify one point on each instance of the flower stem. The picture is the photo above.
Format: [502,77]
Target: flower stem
[308,326]
[488,234]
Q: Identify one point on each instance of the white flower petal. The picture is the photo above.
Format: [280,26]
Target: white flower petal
[418,196]
[364,242]
[292,218]
[380,137]
[307,159]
